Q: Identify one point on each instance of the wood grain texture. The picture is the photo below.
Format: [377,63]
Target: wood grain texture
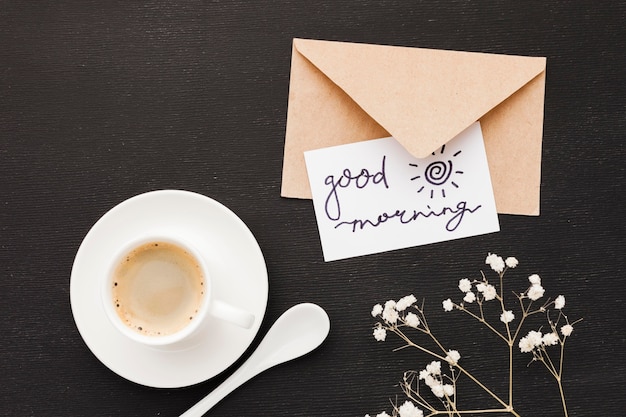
[100,101]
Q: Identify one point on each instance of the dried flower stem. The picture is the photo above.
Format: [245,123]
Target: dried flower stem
[405,313]
[426,330]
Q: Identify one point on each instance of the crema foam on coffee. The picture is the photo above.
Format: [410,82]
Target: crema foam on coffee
[158,288]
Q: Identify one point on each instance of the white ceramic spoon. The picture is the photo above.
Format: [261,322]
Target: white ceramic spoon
[297,331]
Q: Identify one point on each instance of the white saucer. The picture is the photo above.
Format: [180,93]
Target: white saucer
[236,266]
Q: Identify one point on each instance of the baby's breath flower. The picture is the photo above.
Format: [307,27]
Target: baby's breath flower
[465,285]
[405,302]
[470,297]
[383,414]
[550,339]
[535,292]
[448,389]
[534,279]
[430,381]
[495,262]
[380,334]
[412,320]
[390,314]
[487,290]
[490,292]
[376,310]
[525,345]
[447,305]
[559,303]
[535,338]
[507,316]
[408,409]
[453,357]
[511,262]
[567,330]
[434,368]
[437,389]
[531,341]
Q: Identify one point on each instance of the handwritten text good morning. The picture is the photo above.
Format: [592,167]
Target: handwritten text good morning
[373,196]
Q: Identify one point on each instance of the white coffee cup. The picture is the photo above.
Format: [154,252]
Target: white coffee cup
[158,292]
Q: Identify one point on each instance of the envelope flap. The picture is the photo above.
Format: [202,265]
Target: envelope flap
[422,97]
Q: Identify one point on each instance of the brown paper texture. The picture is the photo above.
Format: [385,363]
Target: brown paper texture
[342,93]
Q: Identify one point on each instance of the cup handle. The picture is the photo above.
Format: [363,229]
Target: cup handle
[231,314]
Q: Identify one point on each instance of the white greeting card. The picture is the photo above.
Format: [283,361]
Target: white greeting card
[373,196]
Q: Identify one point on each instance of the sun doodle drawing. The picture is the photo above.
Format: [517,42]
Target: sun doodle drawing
[437,175]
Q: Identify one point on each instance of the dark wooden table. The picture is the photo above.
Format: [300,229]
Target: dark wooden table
[100,101]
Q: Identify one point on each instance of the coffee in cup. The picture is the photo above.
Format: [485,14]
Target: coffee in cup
[158,292]
[158,288]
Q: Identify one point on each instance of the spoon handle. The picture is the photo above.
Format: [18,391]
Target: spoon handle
[297,331]
[243,374]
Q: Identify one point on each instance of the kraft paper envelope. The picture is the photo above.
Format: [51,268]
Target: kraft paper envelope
[342,93]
